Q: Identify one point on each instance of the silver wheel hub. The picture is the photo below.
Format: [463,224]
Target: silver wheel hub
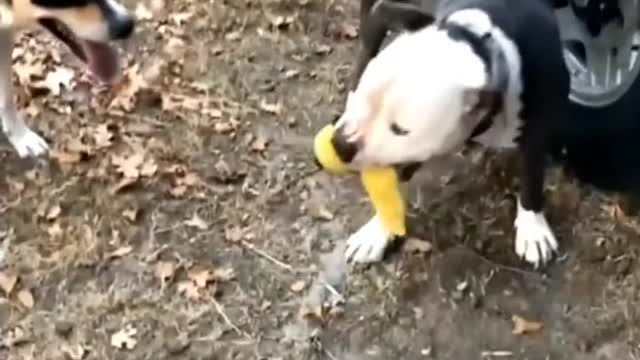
[603,67]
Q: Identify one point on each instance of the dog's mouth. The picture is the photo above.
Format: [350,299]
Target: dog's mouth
[101,59]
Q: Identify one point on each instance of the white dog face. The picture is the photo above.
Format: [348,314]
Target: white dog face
[411,100]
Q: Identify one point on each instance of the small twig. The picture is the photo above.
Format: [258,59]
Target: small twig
[335,292]
[497,353]
[329,354]
[155,254]
[5,240]
[60,189]
[221,312]
[252,247]
[502,266]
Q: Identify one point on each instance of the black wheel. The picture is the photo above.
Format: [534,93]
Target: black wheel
[600,143]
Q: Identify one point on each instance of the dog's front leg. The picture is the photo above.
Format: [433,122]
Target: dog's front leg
[24,140]
[535,241]
[371,241]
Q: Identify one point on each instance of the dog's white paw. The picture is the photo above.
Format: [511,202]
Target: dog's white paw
[368,243]
[535,241]
[28,143]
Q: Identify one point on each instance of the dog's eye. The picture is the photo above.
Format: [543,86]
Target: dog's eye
[396,129]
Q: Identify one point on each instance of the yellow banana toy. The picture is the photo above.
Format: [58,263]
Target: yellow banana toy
[381,183]
[325,153]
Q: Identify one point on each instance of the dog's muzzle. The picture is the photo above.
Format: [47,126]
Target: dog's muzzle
[345,149]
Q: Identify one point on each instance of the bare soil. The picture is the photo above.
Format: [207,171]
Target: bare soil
[224,233]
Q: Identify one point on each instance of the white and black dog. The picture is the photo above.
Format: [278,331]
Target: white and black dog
[85,26]
[484,71]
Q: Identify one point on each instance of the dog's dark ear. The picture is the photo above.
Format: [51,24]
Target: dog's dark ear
[402,14]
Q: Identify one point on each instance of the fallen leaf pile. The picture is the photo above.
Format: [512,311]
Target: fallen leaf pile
[35,71]
[198,278]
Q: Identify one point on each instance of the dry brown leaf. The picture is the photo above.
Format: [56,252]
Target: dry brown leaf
[66,157]
[175,102]
[223,274]
[8,281]
[191,179]
[309,311]
[128,166]
[14,337]
[26,72]
[56,79]
[152,72]
[175,48]
[131,214]
[298,286]
[102,136]
[142,12]
[74,352]
[349,31]
[259,143]
[522,326]
[196,222]
[164,271]
[26,298]
[124,339]
[133,82]
[15,186]
[321,212]
[189,289]
[55,230]
[232,36]
[212,112]
[157,5]
[181,18]
[234,233]
[280,21]
[53,212]
[149,168]
[178,191]
[415,245]
[120,252]
[200,276]
[275,108]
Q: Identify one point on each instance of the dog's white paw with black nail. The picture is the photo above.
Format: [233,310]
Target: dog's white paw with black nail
[369,243]
[535,241]
[28,143]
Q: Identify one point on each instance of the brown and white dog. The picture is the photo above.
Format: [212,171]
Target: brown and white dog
[84,26]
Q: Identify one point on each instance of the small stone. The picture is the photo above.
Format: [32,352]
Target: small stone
[63,328]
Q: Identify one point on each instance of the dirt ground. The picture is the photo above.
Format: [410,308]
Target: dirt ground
[181,215]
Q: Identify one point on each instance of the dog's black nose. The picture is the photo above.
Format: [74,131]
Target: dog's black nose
[345,150]
[121,27]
